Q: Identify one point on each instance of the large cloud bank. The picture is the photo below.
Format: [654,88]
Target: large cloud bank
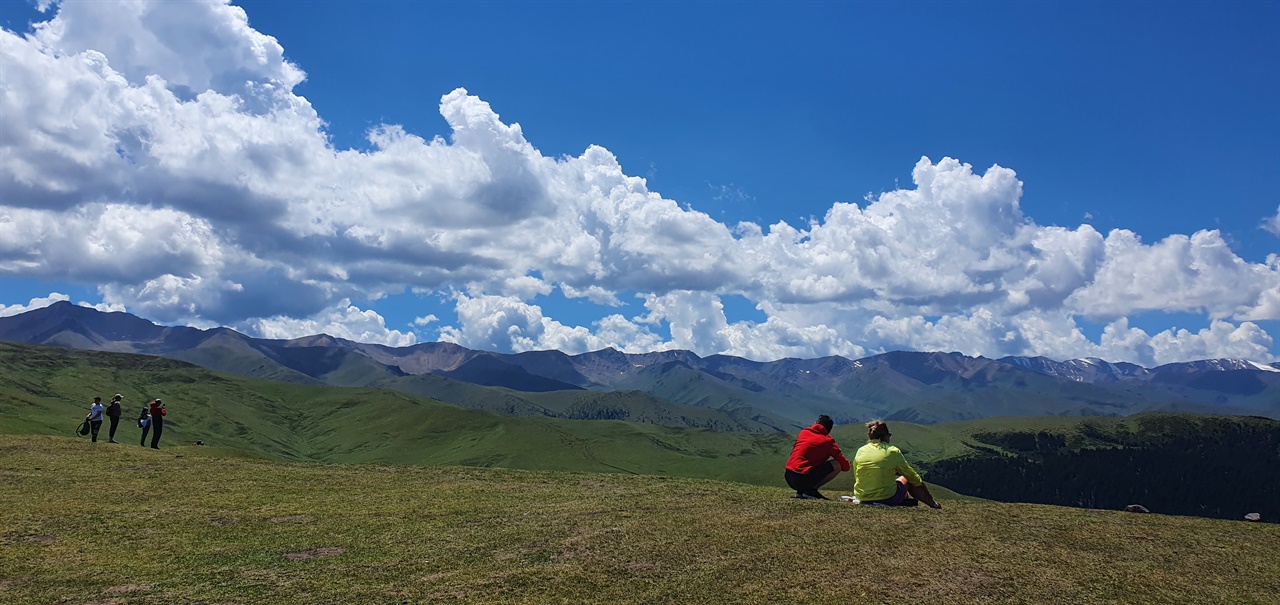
[159,149]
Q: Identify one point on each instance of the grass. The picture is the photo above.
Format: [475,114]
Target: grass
[100,523]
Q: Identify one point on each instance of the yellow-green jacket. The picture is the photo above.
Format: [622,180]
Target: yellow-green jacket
[876,467]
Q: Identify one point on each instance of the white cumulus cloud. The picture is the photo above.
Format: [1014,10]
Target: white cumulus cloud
[1271,224]
[342,321]
[157,151]
[41,302]
[35,303]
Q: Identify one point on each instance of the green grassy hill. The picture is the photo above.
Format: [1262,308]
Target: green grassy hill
[1091,462]
[98,523]
[46,390]
[631,406]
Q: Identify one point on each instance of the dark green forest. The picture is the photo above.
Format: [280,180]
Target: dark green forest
[1209,466]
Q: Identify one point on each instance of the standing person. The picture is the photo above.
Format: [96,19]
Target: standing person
[813,458]
[882,476]
[95,417]
[144,423]
[157,423]
[113,414]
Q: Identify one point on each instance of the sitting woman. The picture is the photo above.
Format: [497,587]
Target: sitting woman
[882,476]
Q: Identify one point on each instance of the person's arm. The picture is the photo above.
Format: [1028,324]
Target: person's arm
[839,456]
[900,464]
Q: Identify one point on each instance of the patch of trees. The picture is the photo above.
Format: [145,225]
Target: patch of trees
[1210,467]
[596,412]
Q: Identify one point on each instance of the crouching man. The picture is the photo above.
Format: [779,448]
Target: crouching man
[814,459]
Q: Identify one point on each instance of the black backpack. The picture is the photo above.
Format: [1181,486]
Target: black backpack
[84,427]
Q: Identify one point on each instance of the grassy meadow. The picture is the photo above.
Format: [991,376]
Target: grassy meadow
[116,524]
[309,494]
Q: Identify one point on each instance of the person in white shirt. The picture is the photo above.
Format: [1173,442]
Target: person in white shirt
[95,417]
[144,423]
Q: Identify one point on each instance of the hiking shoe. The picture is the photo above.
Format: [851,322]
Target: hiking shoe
[807,496]
[814,494]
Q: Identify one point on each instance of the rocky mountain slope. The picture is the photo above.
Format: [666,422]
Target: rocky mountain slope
[899,385]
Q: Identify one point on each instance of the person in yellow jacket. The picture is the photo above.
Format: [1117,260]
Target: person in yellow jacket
[881,474]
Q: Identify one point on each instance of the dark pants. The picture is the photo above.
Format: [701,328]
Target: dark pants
[145,429]
[111,434]
[899,497]
[94,425]
[157,425]
[808,482]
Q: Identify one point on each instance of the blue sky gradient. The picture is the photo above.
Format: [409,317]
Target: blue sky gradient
[1157,118]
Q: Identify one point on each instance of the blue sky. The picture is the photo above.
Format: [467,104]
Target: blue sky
[1159,118]
[1156,119]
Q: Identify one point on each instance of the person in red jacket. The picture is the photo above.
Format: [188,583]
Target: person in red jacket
[157,423]
[813,460]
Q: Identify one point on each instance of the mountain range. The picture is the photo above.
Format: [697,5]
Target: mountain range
[680,388]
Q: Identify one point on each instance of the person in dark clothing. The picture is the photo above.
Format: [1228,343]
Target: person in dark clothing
[144,422]
[813,460]
[95,417]
[157,423]
[113,414]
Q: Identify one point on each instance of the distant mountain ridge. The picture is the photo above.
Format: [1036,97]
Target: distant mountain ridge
[1097,370]
[733,393]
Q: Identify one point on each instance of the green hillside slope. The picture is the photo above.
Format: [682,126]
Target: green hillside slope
[46,390]
[86,524]
[637,406]
[231,353]
[1155,460]
[682,384]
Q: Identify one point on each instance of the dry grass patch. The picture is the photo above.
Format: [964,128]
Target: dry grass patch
[291,519]
[315,553]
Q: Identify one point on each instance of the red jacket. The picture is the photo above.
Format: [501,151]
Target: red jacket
[156,410]
[813,447]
